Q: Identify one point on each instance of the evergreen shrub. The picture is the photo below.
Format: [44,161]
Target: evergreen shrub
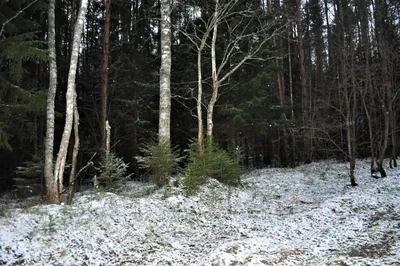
[213,163]
[112,172]
[29,177]
[160,160]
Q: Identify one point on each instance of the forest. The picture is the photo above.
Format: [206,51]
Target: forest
[142,88]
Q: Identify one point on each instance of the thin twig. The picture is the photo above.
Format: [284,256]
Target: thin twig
[89,163]
[15,16]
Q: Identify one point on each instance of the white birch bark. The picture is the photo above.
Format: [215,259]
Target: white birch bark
[200,44]
[69,113]
[222,12]
[200,136]
[50,182]
[165,75]
[75,151]
[213,100]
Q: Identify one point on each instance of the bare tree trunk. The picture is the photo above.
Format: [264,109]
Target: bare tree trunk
[50,181]
[215,84]
[329,32]
[350,112]
[108,140]
[368,108]
[200,44]
[393,159]
[293,140]
[135,131]
[304,91]
[200,136]
[283,156]
[104,78]
[385,96]
[72,175]
[69,114]
[75,148]
[221,12]
[164,130]
[353,116]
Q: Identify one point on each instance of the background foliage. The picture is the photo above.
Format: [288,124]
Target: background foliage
[260,108]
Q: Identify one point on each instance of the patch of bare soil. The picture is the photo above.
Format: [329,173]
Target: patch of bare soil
[382,242]
[379,249]
[283,256]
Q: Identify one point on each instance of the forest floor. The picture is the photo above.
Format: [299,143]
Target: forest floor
[300,216]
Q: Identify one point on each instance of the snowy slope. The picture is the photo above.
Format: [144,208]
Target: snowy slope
[301,216]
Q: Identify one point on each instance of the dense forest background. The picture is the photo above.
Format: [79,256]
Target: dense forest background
[298,80]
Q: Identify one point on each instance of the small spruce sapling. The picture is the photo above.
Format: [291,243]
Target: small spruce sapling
[160,160]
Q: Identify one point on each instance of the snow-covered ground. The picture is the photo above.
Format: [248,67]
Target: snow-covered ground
[301,216]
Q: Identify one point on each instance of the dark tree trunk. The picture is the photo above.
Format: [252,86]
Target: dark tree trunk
[267,150]
[104,78]
[304,89]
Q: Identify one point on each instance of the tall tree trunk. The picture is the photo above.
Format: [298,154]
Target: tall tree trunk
[316,20]
[350,108]
[164,130]
[282,88]
[353,114]
[75,151]
[367,89]
[50,181]
[328,27]
[200,46]
[292,137]
[69,113]
[393,159]
[200,136]
[385,96]
[215,83]
[304,90]
[104,78]
[368,108]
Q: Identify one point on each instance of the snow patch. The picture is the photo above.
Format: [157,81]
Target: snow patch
[301,216]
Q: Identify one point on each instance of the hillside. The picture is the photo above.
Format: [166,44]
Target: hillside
[301,216]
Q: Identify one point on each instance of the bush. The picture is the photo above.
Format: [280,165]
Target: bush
[29,179]
[160,160]
[112,172]
[213,163]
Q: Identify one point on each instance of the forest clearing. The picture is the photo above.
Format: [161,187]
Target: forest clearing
[280,216]
[199,132]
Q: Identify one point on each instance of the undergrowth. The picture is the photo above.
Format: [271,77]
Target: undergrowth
[160,160]
[112,172]
[213,163]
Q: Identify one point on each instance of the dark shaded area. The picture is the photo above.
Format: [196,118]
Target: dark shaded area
[259,112]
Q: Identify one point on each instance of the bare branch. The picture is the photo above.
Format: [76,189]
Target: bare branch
[251,55]
[15,16]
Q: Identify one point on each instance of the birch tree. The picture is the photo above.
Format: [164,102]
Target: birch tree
[164,130]
[240,33]
[70,103]
[214,76]
[76,139]
[199,40]
[51,183]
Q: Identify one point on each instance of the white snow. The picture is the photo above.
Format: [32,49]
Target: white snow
[301,216]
